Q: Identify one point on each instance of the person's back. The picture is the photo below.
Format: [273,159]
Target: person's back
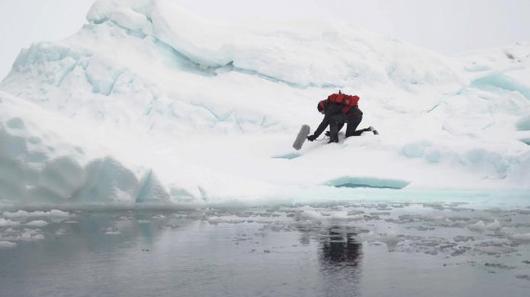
[339,109]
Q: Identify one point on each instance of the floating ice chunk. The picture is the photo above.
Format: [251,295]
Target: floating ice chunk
[7,223]
[520,238]
[61,232]
[495,225]
[37,223]
[54,213]
[479,226]
[58,213]
[311,214]
[16,214]
[30,235]
[367,182]
[112,231]
[7,244]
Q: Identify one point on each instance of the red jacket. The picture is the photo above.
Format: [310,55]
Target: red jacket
[348,101]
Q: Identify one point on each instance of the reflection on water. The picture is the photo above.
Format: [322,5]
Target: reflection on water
[339,257]
[340,248]
[339,253]
[129,253]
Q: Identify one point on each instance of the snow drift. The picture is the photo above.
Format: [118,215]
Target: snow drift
[149,103]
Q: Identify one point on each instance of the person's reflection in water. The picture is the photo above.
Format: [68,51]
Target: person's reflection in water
[340,248]
[340,258]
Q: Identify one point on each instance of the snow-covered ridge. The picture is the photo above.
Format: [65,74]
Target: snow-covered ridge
[151,103]
[311,54]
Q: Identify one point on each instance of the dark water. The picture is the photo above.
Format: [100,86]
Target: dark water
[128,253]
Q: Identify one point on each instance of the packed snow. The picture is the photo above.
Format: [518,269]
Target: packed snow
[151,104]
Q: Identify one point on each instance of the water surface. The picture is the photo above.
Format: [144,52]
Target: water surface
[323,250]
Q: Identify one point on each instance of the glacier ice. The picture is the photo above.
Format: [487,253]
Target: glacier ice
[523,123]
[502,82]
[149,103]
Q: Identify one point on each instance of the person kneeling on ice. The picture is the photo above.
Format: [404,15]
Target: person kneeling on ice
[338,109]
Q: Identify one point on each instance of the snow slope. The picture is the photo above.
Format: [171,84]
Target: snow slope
[149,103]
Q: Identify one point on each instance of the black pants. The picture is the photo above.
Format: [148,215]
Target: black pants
[353,118]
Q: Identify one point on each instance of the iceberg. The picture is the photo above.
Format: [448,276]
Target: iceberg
[149,104]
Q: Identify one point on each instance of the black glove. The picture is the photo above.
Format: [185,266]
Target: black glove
[311,137]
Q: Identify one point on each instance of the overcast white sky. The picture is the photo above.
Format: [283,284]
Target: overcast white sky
[447,26]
